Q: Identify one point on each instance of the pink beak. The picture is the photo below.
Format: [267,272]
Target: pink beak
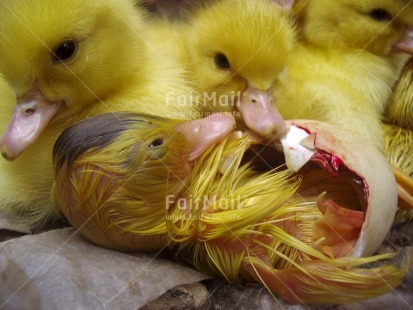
[260,114]
[284,4]
[203,133]
[406,43]
[31,115]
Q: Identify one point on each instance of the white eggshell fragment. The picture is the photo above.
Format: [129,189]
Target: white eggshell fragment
[361,158]
[296,155]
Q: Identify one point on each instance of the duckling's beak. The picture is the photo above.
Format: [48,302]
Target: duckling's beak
[203,133]
[406,43]
[284,4]
[31,115]
[260,114]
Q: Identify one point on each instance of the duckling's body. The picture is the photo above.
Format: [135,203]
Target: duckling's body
[328,86]
[345,70]
[68,61]
[398,132]
[400,109]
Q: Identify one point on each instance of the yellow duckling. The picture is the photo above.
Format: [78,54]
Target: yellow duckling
[398,134]
[400,109]
[236,50]
[398,150]
[170,8]
[298,10]
[64,61]
[126,188]
[345,70]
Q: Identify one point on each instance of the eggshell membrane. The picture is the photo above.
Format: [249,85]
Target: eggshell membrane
[367,162]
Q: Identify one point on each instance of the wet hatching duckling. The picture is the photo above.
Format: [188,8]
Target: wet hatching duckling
[154,158]
[131,184]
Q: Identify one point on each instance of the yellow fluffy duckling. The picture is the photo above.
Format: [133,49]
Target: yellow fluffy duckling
[169,8]
[298,10]
[64,61]
[398,132]
[376,26]
[400,109]
[236,50]
[129,184]
[398,150]
[346,68]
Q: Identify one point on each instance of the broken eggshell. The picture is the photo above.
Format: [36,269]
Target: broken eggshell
[340,152]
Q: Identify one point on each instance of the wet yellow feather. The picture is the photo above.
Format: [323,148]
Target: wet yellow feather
[123,181]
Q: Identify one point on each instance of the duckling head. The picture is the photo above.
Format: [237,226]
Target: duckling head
[60,57]
[141,144]
[237,50]
[117,173]
[378,26]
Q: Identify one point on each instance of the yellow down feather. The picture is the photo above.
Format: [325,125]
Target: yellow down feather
[399,137]
[400,109]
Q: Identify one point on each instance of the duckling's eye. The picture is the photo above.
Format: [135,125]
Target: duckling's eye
[156,143]
[65,51]
[221,61]
[380,15]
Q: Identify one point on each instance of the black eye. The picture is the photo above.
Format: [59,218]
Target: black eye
[156,142]
[380,15]
[221,61]
[65,51]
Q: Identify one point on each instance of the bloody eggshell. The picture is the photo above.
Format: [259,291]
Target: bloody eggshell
[358,156]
